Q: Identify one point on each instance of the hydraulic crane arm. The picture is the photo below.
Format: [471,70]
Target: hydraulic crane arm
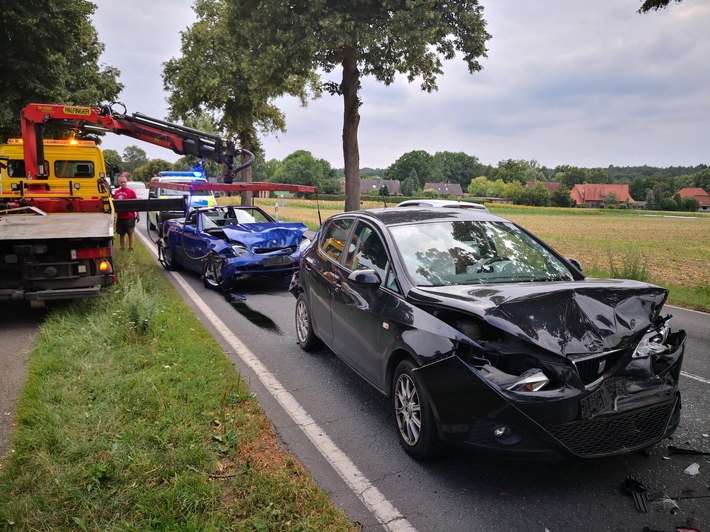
[180,139]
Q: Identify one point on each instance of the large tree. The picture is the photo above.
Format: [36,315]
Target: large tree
[378,38]
[49,53]
[231,70]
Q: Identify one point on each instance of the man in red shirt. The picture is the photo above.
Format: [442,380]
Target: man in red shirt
[125,221]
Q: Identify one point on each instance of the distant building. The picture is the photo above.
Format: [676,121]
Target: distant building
[372,187]
[551,186]
[444,189]
[699,194]
[593,195]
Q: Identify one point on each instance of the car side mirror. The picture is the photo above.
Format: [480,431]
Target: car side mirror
[575,263]
[365,277]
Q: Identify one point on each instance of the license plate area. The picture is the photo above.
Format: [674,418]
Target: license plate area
[602,400]
[282,260]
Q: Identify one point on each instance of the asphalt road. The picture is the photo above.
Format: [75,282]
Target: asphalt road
[342,431]
[463,491]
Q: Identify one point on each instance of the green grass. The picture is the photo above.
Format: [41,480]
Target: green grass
[132,418]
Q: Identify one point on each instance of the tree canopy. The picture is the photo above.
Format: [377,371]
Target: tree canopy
[50,54]
[230,70]
[655,5]
[375,38]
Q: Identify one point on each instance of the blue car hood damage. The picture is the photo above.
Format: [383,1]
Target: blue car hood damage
[561,317]
[266,235]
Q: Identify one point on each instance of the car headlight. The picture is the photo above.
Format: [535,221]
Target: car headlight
[304,244]
[240,251]
[531,380]
[653,342]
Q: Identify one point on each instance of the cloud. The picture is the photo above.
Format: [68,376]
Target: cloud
[564,83]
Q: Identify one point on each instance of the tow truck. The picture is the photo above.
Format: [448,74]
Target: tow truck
[56,233]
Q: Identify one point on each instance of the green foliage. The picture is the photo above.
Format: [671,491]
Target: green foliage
[479,186]
[455,167]
[414,163]
[515,170]
[133,157]
[430,194]
[560,197]
[610,200]
[655,5]
[410,186]
[650,201]
[50,53]
[232,67]
[301,168]
[369,38]
[570,175]
[631,266]
[536,195]
[146,171]
[514,191]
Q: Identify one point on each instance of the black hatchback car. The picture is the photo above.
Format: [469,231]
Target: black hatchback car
[485,338]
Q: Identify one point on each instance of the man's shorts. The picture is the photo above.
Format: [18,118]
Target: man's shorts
[125,226]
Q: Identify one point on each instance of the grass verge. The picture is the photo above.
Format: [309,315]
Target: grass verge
[132,418]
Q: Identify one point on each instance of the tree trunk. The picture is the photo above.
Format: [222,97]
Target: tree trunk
[247,196]
[351,121]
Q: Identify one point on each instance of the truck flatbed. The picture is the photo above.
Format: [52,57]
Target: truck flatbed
[56,225]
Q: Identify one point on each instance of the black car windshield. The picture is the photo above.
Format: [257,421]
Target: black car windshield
[474,252]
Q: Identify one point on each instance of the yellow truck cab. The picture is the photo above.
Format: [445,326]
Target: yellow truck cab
[73,159]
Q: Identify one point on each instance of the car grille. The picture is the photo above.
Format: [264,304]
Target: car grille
[607,435]
[261,251]
[592,368]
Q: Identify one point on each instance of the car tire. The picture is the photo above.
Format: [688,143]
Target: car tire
[169,262]
[414,417]
[211,276]
[305,336]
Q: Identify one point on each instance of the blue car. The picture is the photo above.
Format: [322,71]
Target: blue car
[229,244]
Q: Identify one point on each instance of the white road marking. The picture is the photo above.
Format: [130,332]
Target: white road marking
[696,377]
[381,508]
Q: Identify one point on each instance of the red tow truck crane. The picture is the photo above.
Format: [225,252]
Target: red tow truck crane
[56,231]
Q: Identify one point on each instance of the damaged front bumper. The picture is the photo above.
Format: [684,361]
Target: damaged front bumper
[634,405]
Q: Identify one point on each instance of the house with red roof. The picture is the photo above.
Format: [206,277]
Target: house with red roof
[593,195]
[699,194]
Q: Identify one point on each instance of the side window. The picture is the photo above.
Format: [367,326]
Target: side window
[367,252]
[333,240]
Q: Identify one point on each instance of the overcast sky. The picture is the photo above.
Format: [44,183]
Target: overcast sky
[565,82]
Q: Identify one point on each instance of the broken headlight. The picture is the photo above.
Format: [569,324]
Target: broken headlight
[531,380]
[654,341]
[239,250]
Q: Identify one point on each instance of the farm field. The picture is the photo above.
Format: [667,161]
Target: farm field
[673,248]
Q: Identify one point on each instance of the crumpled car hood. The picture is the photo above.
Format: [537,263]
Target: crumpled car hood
[561,317]
[266,235]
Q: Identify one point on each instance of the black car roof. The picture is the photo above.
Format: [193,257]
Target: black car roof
[394,216]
